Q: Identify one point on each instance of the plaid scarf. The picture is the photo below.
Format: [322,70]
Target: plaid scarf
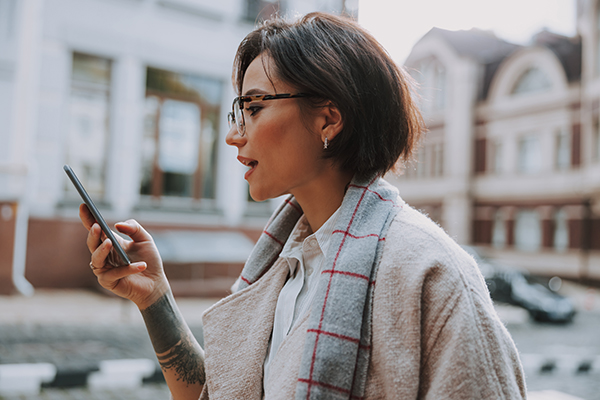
[338,341]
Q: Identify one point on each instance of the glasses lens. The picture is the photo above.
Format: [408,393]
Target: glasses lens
[239,118]
[230,119]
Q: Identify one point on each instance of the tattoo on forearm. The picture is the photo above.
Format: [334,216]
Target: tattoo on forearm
[174,349]
[181,359]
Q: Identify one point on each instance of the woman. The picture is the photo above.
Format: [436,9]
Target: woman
[349,292]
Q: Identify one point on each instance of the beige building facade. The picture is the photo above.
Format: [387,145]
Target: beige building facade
[511,161]
[134,95]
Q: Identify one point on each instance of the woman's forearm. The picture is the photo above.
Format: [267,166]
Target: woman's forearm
[180,356]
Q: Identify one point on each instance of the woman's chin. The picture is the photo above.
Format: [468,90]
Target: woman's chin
[264,195]
[257,195]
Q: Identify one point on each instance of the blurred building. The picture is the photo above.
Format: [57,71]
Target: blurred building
[512,157]
[133,94]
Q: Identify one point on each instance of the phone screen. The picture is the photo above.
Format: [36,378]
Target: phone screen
[96,213]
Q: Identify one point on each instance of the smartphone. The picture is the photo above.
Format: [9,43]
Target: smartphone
[96,213]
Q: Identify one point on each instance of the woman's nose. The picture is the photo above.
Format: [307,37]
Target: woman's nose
[233,138]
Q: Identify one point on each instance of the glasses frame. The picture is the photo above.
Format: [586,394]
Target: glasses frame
[236,116]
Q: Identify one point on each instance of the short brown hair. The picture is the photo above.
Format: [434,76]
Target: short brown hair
[334,59]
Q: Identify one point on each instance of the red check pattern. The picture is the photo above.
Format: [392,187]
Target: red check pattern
[361,233]
[271,241]
[344,289]
[320,331]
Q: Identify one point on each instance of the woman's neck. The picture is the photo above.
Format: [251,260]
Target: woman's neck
[323,197]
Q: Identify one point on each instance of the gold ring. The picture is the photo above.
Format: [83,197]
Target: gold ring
[92,266]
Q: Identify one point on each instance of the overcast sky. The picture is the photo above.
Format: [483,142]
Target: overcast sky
[398,24]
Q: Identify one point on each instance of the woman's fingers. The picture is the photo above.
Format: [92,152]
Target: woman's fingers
[94,237]
[134,230]
[87,219]
[89,222]
[99,255]
[101,247]
[111,276]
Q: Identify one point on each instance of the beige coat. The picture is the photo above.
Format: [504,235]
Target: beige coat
[435,332]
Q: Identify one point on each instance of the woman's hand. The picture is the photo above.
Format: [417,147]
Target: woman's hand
[144,280]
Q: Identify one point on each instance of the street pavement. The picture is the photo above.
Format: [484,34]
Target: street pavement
[78,331]
[560,358]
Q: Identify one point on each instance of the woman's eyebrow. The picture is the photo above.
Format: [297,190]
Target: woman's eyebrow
[255,91]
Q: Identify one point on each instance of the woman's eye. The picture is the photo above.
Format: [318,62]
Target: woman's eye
[253,110]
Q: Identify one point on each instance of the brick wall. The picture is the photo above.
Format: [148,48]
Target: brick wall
[8,216]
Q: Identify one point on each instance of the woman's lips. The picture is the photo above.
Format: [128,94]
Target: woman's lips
[248,162]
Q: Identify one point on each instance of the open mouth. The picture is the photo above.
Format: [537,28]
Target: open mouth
[248,162]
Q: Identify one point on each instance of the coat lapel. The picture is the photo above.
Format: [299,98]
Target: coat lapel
[236,335]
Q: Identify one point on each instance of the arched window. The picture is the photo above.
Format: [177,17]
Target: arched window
[531,81]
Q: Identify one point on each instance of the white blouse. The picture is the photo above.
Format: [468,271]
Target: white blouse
[304,252]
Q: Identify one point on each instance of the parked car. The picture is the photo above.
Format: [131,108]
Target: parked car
[512,286]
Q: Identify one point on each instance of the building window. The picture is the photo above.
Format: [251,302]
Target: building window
[260,10]
[423,162]
[438,159]
[528,230]
[180,135]
[497,156]
[431,77]
[561,230]
[89,122]
[429,163]
[562,154]
[532,81]
[499,230]
[530,155]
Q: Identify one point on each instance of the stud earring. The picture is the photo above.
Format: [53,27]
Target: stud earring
[326,144]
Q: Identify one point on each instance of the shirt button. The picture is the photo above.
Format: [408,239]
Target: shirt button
[309,271]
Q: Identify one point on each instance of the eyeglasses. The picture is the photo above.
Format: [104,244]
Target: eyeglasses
[236,116]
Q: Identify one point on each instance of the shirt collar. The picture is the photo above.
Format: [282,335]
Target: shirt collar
[323,234]
[301,232]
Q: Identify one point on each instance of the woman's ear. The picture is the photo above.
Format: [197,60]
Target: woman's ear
[331,122]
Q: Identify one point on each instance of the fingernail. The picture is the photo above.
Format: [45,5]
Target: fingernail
[141,267]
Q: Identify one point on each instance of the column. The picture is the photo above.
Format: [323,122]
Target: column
[127,93]
[22,129]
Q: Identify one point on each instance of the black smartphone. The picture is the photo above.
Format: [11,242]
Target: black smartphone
[96,213]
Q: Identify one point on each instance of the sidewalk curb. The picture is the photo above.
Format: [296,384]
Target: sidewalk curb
[25,378]
[537,364]
[114,374]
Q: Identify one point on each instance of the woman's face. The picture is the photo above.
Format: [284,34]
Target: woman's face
[281,154]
